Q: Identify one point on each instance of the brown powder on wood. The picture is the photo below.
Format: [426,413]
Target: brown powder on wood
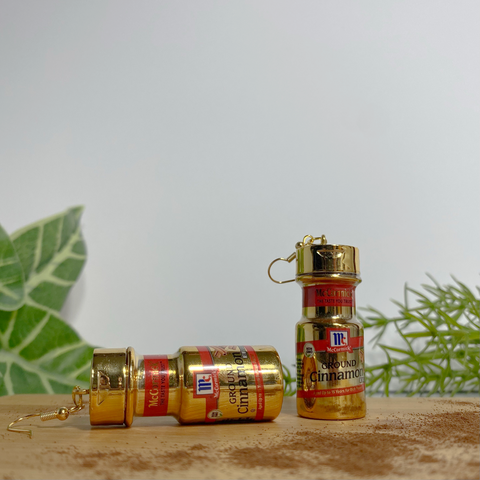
[126,461]
[456,402]
[451,428]
[361,454]
[366,454]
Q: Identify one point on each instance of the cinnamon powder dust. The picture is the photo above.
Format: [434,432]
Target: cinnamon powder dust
[419,440]
[372,453]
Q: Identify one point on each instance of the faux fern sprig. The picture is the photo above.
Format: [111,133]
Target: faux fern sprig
[289,382]
[437,341]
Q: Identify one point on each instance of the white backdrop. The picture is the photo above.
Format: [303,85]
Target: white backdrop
[206,138]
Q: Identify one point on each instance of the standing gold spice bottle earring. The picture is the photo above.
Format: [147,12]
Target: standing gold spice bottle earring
[329,338]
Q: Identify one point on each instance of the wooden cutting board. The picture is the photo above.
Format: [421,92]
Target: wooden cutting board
[421,438]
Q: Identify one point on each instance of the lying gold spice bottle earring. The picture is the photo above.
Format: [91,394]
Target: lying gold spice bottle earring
[197,384]
[329,338]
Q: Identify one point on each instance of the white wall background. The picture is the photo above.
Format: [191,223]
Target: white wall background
[206,138]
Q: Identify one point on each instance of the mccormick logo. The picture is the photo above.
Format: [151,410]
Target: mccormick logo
[338,340]
[206,384]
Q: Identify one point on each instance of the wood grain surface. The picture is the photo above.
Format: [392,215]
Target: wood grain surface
[400,438]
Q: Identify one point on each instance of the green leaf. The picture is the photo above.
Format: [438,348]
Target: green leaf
[52,253]
[39,351]
[12,287]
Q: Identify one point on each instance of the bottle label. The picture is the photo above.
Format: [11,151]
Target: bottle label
[218,383]
[156,385]
[338,295]
[230,381]
[322,372]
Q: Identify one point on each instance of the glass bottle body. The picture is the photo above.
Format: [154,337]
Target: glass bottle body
[330,351]
[210,384]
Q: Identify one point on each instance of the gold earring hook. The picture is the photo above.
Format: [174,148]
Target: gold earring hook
[11,427]
[307,240]
[61,413]
[289,259]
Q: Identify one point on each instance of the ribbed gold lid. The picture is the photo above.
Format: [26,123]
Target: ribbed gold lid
[318,258]
[110,386]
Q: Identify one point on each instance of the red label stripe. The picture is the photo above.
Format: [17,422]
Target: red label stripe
[258,382]
[208,364]
[331,392]
[321,345]
[156,385]
[339,295]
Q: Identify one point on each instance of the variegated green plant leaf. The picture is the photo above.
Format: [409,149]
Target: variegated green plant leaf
[40,352]
[12,288]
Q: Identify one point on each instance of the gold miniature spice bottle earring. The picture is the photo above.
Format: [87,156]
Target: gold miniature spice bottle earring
[197,384]
[329,338]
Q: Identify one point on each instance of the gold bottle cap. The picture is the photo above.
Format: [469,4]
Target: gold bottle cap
[110,386]
[323,259]
[315,257]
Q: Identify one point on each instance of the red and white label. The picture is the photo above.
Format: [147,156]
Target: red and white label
[208,368]
[206,381]
[323,345]
[156,385]
[338,295]
[258,383]
[330,375]
[331,392]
